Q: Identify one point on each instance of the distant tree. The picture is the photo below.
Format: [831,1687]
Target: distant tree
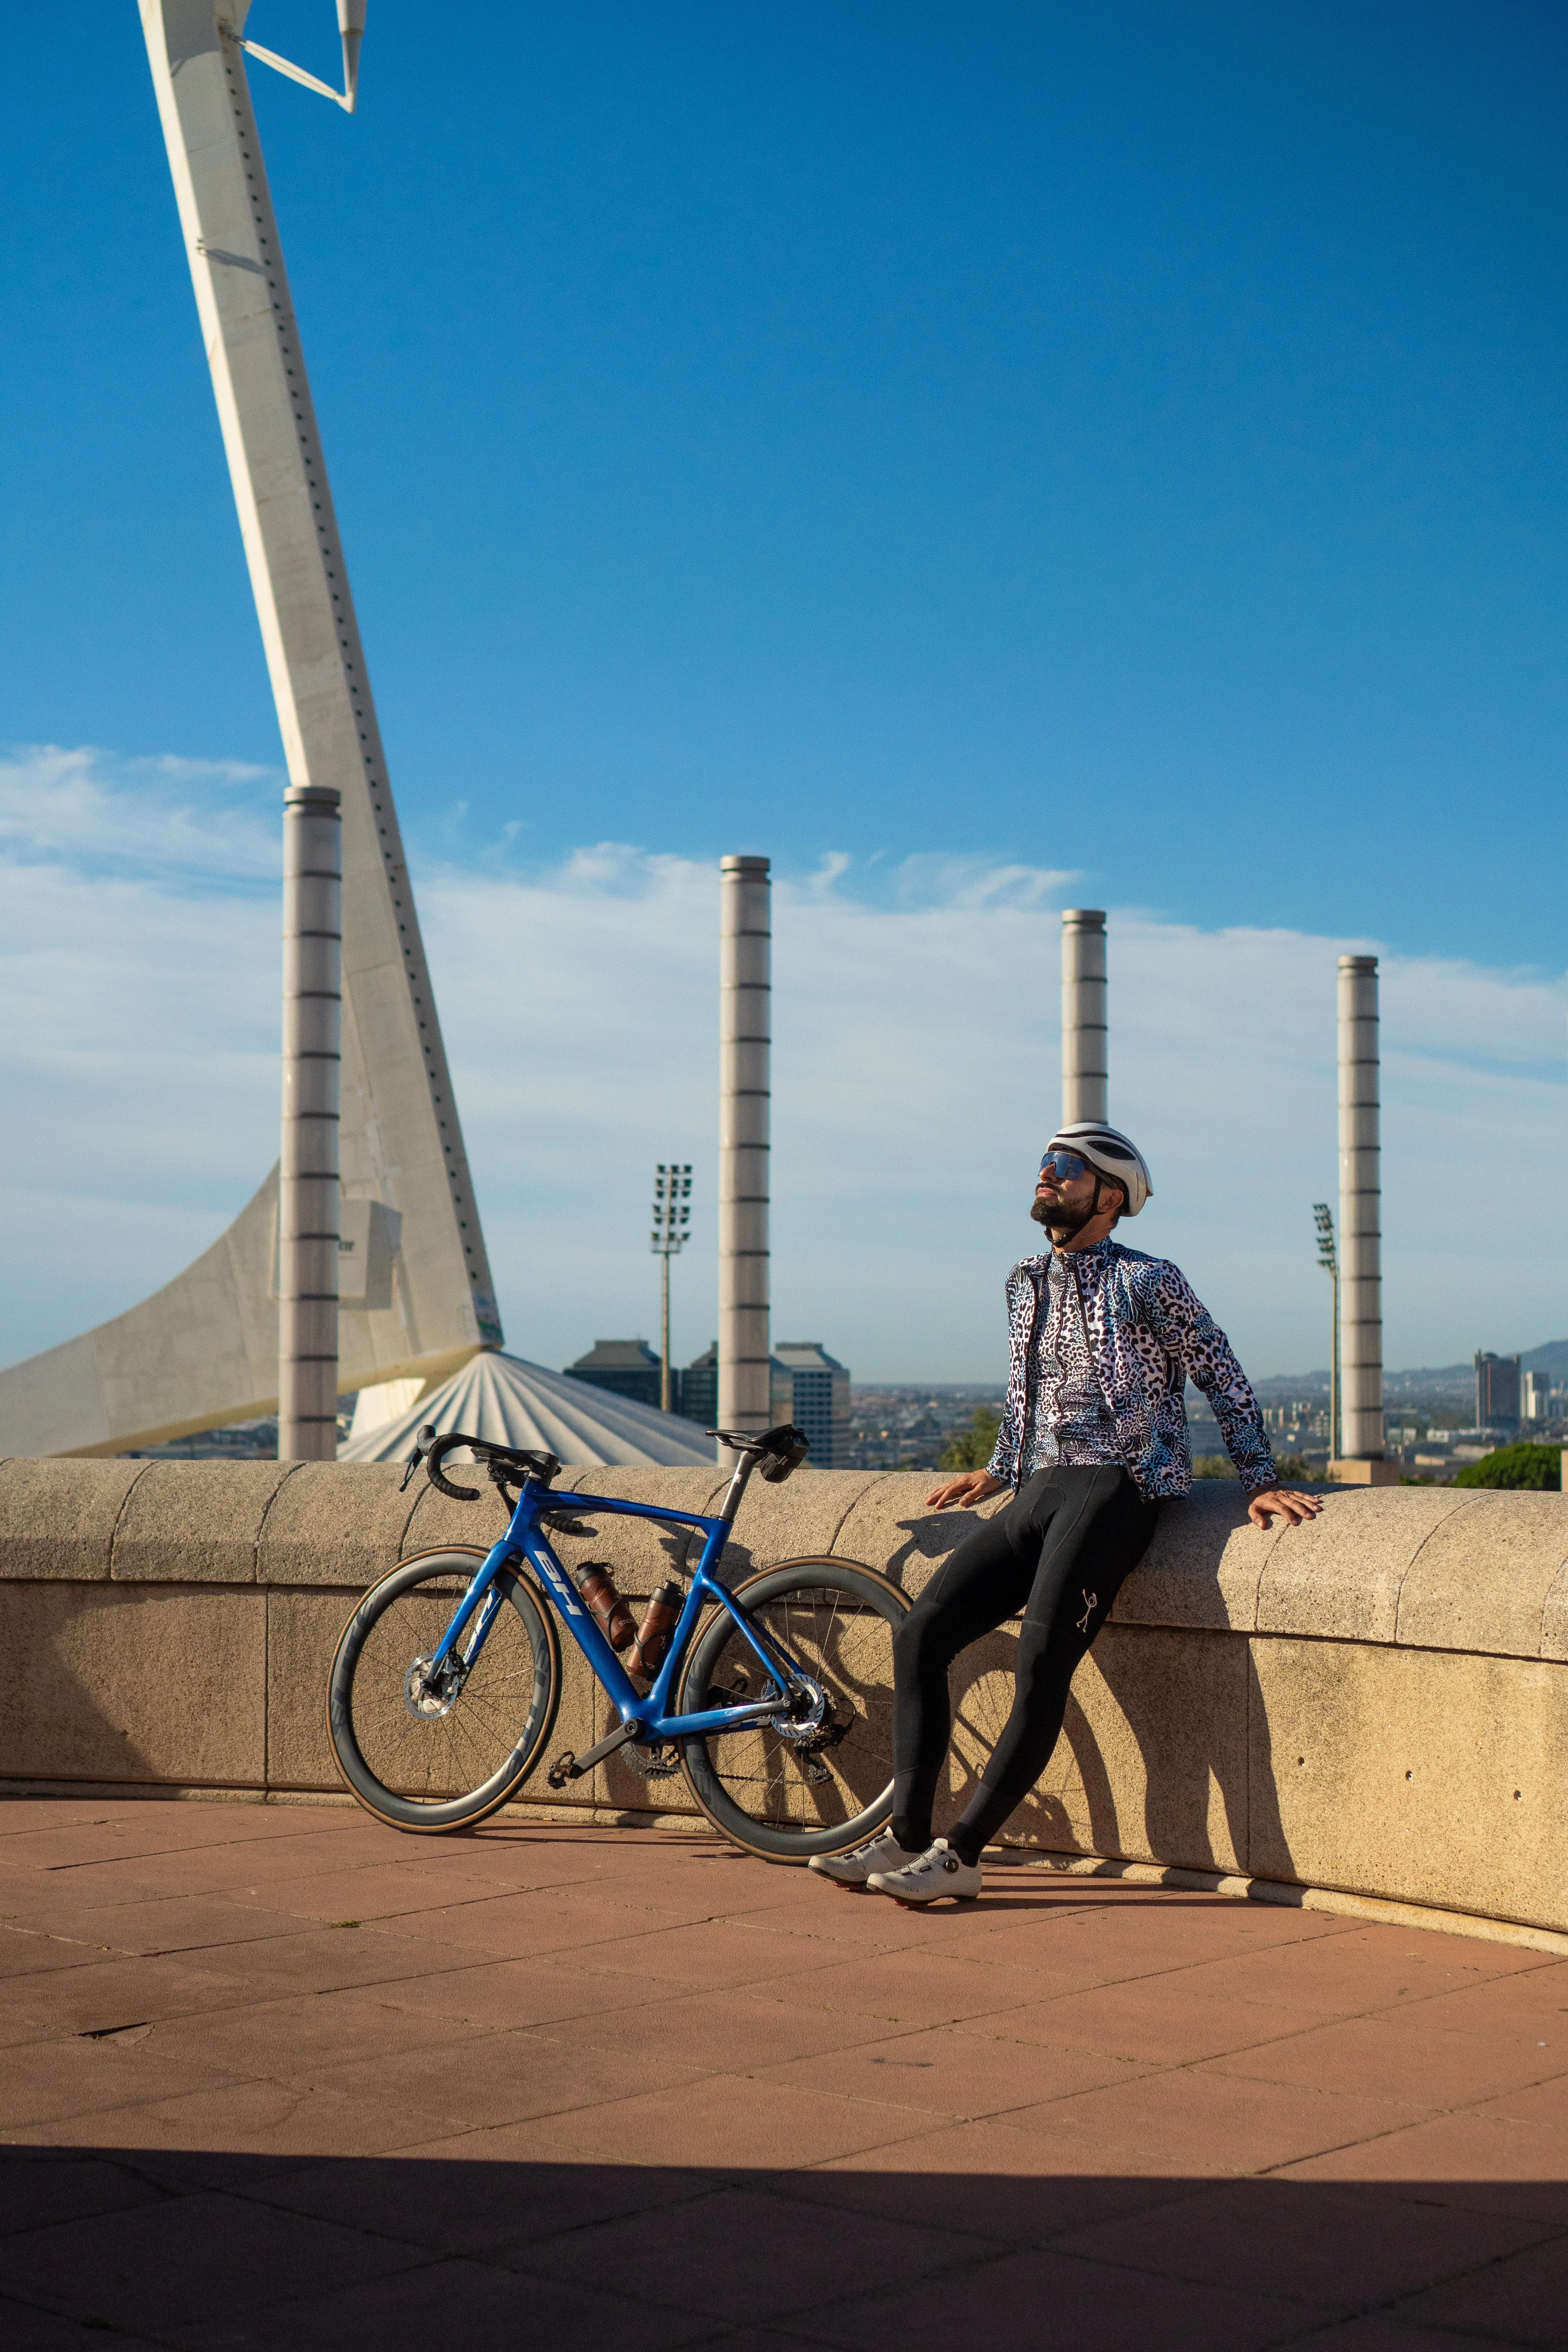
[1213,1466]
[972,1448]
[1293,1465]
[1537,1468]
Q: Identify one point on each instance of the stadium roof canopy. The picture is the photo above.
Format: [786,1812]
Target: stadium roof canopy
[515,1403]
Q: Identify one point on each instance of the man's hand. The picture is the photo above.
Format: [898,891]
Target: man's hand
[1283,1503]
[973,1487]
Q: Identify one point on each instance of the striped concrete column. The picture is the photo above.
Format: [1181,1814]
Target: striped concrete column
[1085,1064]
[1360,1266]
[307,1175]
[745,1031]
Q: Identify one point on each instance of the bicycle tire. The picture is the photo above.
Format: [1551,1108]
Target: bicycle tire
[761,1789]
[366,1702]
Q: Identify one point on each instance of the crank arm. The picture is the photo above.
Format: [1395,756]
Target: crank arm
[572,1767]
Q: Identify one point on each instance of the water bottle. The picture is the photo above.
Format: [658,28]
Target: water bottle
[660,1618]
[615,1621]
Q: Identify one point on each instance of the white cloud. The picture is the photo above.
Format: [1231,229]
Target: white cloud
[916,1076]
[173,818]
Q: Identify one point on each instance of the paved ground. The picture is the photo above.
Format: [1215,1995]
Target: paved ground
[276,2077]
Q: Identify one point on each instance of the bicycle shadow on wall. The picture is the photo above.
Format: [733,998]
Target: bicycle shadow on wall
[1164,1755]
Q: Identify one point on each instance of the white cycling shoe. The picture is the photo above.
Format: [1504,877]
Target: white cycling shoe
[930,1877]
[883,1852]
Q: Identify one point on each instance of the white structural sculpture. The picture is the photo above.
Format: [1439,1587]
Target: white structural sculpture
[1361,1270]
[1085,1061]
[744,1038]
[308,1234]
[416,1299]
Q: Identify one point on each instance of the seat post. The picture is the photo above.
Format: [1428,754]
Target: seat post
[737,1487]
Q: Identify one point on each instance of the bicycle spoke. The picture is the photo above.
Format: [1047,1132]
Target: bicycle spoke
[435,1757]
[846,1648]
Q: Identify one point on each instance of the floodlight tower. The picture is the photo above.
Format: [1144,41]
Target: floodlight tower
[671,1224]
[1329,1259]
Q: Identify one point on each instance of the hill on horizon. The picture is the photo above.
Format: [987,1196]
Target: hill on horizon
[1550,1357]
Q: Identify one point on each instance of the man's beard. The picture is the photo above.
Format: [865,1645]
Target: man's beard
[1061,1221]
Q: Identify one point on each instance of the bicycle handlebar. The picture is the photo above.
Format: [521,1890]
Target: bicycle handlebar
[504,1461]
[776,1453]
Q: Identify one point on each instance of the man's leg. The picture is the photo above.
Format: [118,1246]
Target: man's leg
[985,1581]
[1091,1544]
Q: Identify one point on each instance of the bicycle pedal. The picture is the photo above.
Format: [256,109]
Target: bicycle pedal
[564,1768]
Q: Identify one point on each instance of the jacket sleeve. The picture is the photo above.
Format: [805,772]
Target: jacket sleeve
[1005,1460]
[1188,1333]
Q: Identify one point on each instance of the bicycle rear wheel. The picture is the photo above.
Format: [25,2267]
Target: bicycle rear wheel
[433,1760]
[784,1798]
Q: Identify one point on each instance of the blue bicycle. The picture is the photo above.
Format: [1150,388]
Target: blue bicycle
[775,1696]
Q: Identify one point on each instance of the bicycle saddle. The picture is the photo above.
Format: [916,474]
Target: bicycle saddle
[779,1451]
[506,1464]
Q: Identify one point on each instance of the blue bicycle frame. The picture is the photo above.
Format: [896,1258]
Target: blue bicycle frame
[524,1541]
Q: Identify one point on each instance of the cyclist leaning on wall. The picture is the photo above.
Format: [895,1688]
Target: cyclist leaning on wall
[1093,1438]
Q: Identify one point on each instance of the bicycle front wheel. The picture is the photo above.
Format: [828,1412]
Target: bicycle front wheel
[787,1798]
[441,1756]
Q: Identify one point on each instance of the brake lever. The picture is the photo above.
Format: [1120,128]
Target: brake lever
[423,1439]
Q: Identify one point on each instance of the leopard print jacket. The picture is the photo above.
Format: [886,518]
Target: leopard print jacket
[1149,1334]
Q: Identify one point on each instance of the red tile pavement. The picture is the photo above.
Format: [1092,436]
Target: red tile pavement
[274,2075]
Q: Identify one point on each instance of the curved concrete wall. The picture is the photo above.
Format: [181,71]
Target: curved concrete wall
[1374,1704]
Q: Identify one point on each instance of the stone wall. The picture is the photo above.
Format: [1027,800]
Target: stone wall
[1374,1704]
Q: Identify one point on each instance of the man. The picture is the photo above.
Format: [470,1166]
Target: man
[1093,1438]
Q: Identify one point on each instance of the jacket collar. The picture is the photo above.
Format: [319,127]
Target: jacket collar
[1102,1254]
[1099,1255]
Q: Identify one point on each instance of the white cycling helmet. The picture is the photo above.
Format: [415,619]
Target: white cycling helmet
[1110,1153]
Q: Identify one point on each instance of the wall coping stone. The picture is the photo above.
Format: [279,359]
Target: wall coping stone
[1483,1571]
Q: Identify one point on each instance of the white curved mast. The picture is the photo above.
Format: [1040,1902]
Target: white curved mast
[418,1297]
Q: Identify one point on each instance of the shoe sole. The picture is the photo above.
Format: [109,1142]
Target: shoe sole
[924,1902]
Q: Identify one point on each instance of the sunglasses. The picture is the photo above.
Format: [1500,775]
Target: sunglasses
[1065,1166]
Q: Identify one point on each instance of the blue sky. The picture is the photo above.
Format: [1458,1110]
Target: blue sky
[1122,442]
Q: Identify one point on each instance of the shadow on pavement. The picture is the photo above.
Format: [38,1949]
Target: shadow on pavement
[104,2246]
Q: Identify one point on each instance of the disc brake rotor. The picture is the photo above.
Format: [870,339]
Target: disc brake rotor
[428,1699]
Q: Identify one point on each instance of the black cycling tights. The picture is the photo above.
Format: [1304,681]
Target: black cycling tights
[1058,1553]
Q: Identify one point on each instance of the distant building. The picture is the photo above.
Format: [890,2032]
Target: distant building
[811,1387]
[626,1368]
[1497,1391]
[697,1397]
[1534,1397]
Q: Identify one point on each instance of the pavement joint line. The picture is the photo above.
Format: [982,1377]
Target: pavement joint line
[1182,1968]
[1286,1895]
[1372,2307]
[1371,2139]
[1001,2013]
[1390,2304]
